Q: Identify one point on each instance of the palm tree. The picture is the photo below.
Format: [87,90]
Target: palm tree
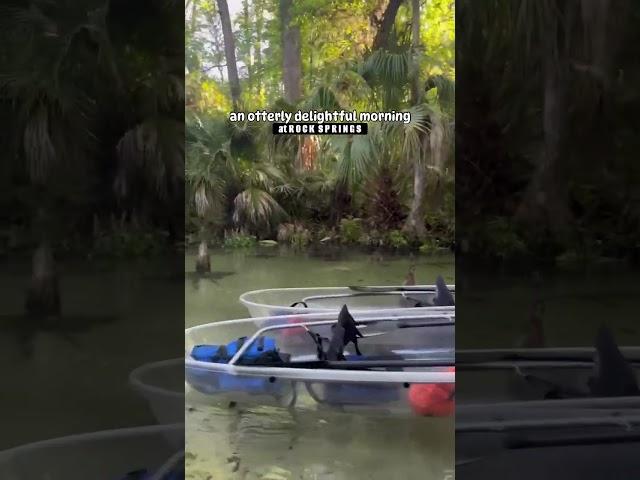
[50,109]
[218,165]
[383,82]
[60,72]
[209,166]
[554,51]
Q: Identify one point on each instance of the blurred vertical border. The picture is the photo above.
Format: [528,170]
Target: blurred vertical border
[91,237]
[548,236]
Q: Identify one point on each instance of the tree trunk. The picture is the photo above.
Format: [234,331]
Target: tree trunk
[194,17]
[291,54]
[415,221]
[386,26]
[415,46]
[248,41]
[259,13]
[43,294]
[203,263]
[229,51]
[545,201]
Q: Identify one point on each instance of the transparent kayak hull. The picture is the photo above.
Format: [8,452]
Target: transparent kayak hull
[161,384]
[385,387]
[288,301]
[525,375]
[104,455]
[571,462]
[505,397]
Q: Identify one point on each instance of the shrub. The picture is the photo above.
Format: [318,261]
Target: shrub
[125,238]
[294,234]
[429,246]
[301,237]
[124,244]
[350,230]
[238,239]
[503,239]
[285,232]
[397,240]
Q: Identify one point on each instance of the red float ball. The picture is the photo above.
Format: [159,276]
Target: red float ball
[433,399]
[293,332]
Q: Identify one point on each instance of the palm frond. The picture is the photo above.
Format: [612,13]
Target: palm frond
[155,148]
[410,134]
[323,98]
[257,208]
[38,145]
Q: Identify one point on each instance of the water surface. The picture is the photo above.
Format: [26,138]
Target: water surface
[268,443]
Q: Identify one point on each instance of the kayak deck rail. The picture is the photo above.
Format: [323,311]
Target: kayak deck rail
[332,372]
[439,320]
[292,300]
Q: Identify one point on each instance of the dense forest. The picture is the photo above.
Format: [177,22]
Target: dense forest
[547,131]
[92,137]
[391,188]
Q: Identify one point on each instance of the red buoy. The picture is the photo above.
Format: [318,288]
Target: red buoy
[433,399]
[293,332]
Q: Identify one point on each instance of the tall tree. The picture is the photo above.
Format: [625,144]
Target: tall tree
[415,220]
[386,24]
[291,54]
[229,51]
[415,47]
[259,26]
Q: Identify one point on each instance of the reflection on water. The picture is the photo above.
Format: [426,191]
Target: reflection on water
[210,300]
[496,309]
[275,443]
[269,443]
[70,375]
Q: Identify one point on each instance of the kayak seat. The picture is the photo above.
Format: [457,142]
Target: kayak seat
[389,356]
[214,382]
[224,353]
[338,394]
[261,352]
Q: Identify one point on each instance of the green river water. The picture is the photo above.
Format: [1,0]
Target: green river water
[269,443]
[118,317]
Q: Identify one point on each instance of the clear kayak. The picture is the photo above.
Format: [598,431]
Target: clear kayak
[290,364]
[140,453]
[161,384]
[494,376]
[287,301]
[519,404]
[566,457]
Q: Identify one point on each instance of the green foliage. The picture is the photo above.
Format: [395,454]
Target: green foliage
[301,238]
[372,239]
[294,234]
[243,176]
[238,240]
[124,239]
[432,246]
[350,230]
[397,240]
[503,239]
[63,66]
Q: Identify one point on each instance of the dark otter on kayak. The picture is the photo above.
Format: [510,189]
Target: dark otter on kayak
[614,375]
[344,332]
[443,295]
